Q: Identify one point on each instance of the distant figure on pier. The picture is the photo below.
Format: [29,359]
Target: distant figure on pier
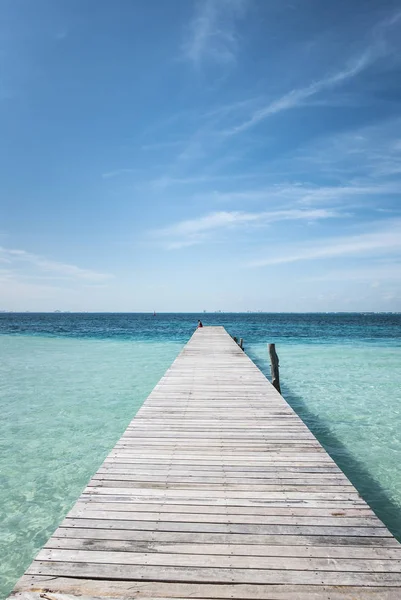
[200,324]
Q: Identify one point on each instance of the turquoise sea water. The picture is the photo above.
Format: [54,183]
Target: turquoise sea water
[70,384]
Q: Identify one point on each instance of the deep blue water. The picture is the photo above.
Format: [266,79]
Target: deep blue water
[253,327]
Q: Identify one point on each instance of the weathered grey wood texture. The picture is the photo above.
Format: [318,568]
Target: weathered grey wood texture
[217,490]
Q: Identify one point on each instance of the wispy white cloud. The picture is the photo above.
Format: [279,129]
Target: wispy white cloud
[212,32]
[345,192]
[18,293]
[194,231]
[299,96]
[163,145]
[375,273]
[384,240]
[391,20]
[169,181]
[61,35]
[18,258]
[116,173]
[304,194]
[371,153]
[216,125]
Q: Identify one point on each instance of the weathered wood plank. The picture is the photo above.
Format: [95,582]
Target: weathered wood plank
[364,552]
[166,559]
[92,589]
[258,511]
[225,538]
[186,526]
[259,520]
[269,501]
[211,574]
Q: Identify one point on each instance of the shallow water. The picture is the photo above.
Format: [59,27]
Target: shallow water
[70,384]
[64,404]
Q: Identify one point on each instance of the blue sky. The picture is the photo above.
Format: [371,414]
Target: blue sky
[185,155]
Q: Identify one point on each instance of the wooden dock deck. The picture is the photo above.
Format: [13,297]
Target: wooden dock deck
[217,490]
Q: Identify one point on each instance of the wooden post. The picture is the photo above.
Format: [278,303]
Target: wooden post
[235,339]
[241,343]
[274,364]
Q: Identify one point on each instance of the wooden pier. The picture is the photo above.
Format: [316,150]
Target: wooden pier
[217,490]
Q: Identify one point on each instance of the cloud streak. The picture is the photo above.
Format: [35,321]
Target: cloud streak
[298,96]
[117,173]
[376,273]
[386,240]
[300,194]
[195,231]
[18,258]
[212,32]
